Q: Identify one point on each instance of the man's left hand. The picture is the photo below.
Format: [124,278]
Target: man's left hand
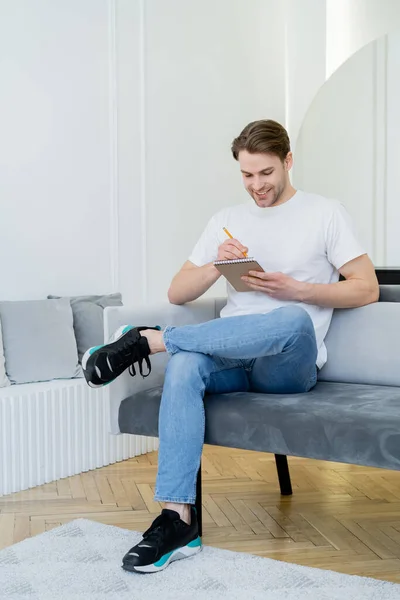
[277,285]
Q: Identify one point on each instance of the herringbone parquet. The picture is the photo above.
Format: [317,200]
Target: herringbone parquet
[340,517]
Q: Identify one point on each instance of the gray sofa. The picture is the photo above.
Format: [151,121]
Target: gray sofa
[351,416]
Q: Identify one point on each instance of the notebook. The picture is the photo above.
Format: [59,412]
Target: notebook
[233,270]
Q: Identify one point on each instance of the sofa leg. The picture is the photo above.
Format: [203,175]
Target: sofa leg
[198,504]
[283,474]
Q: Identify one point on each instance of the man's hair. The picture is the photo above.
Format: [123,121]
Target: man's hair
[262,137]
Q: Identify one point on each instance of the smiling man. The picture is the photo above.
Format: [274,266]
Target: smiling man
[269,339]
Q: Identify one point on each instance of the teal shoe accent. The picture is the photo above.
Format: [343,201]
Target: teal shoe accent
[158,327]
[163,559]
[127,328]
[95,348]
[195,543]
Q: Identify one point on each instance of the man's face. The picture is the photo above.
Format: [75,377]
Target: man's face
[265,177]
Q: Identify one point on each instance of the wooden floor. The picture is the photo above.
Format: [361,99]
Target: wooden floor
[340,517]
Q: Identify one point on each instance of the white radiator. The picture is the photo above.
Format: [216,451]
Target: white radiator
[53,430]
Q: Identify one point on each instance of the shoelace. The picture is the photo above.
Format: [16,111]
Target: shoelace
[140,359]
[158,529]
[117,359]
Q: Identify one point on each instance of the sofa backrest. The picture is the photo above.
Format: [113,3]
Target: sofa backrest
[389,293]
[363,344]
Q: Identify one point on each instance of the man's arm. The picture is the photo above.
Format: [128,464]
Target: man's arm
[191,282]
[359,288]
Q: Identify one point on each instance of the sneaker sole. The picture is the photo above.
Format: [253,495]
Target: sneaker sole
[188,551]
[114,338]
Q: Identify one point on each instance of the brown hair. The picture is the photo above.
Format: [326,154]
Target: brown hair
[262,137]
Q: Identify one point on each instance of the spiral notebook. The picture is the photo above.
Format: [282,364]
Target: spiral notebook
[233,270]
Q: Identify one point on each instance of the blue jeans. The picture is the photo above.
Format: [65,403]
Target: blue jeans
[271,353]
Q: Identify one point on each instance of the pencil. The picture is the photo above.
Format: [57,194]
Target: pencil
[231,236]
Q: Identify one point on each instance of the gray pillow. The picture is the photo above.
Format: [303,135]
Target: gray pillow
[38,339]
[88,318]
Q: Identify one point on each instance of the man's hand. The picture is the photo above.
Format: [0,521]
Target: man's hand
[359,288]
[231,249]
[276,285]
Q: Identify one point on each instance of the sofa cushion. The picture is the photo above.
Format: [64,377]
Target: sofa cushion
[389,293]
[88,318]
[4,381]
[350,423]
[39,342]
[363,345]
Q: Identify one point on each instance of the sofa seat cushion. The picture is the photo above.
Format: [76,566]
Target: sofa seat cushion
[343,422]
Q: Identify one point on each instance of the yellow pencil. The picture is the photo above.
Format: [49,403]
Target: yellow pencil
[231,236]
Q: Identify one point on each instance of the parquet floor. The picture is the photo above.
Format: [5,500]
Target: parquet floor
[340,517]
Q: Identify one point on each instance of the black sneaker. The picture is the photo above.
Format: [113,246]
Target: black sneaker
[102,364]
[168,539]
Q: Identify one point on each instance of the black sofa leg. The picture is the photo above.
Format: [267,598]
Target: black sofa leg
[198,504]
[283,474]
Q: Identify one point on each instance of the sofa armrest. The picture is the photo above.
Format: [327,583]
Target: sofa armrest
[162,314]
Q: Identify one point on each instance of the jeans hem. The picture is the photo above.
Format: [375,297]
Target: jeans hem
[174,500]
[170,348]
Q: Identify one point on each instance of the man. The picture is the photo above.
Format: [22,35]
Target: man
[269,339]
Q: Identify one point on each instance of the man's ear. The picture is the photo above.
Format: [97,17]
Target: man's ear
[288,163]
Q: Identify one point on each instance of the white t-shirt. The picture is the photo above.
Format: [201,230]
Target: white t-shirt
[308,237]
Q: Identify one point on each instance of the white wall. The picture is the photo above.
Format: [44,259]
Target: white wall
[391,206]
[320,36]
[330,159]
[117,120]
[305,59]
[351,24]
[209,70]
[54,147]
[349,144]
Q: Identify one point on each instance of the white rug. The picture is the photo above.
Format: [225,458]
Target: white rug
[82,560]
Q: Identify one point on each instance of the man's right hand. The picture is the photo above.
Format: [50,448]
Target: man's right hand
[191,281]
[231,249]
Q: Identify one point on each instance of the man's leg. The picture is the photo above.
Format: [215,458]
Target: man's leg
[242,337]
[189,376]
[292,371]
